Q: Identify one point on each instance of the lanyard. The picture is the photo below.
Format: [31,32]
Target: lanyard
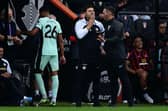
[10,30]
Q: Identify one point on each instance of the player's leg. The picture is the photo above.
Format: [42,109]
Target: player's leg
[54,64]
[143,82]
[38,76]
[36,89]
[49,86]
[49,71]
[143,79]
[36,95]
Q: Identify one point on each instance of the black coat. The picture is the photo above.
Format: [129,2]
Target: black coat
[114,45]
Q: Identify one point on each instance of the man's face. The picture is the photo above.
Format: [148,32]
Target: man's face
[162,28]
[106,14]
[138,43]
[10,14]
[89,12]
[1,52]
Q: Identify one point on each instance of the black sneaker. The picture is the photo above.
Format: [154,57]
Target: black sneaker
[130,103]
[78,104]
[36,98]
[96,104]
[111,104]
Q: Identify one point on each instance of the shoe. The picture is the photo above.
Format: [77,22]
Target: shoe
[124,101]
[44,101]
[50,98]
[130,104]
[53,103]
[111,104]
[166,102]
[27,99]
[36,98]
[22,102]
[148,98]
[78,104]
[96,104]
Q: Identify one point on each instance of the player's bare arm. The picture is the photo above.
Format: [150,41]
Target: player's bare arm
[32,32]
[61,45]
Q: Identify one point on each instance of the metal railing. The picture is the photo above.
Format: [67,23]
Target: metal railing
[142,13]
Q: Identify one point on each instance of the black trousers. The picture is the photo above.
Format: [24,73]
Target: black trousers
[11,91]
[164,79]
[115,72]
[84,75]
[164,74]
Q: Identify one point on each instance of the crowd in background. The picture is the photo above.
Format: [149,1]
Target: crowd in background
[146,51]
[140,27]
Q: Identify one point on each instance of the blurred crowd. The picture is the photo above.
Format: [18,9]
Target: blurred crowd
[133,48]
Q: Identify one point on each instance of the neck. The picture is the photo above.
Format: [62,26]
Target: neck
[9,20]
[110,18]
[43,16]
[139,49]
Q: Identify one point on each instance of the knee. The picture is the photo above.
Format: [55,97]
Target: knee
[37,71]
[143,75]
[54,73]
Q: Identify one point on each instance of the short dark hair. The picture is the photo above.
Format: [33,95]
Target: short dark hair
[87,6]
[162,22]
[110,8]
[137,36]
[1,46]
[44,8]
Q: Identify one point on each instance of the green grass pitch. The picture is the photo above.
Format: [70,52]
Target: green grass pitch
[69,107]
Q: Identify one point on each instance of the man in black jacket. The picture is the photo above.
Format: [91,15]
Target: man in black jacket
[115,55]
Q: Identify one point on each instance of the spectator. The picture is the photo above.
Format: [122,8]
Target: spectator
[161,40]
[146,29]
[138,63]
[140,5]
[115,55]
[163,5]
[88,31]
[8,84]
[2,28]
[12,40]
[163,44]
[162,33]
[129,30]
